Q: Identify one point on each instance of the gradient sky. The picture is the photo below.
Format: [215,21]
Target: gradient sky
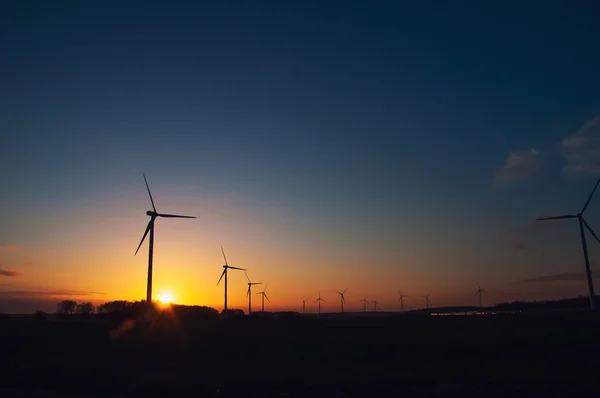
[399,146]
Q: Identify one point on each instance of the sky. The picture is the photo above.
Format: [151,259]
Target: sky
[325,145]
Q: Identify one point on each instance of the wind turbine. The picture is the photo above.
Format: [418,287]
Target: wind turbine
[401,299]
[427,301]
[365,304]
[319,301]
[583,223]
[342,298]
[249,292]
[375,305]
[225,268]
[150,228]
[479,292]
[304,305]
[263,294]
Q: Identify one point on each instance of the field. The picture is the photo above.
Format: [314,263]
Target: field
[552,354]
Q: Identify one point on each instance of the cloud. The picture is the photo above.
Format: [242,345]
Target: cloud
[581,149]
[8,247]
[519,165]
[566,277]
[5,272]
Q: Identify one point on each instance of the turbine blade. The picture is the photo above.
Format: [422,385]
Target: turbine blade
[344,291]
[224,271]
[590,198]
[224,258]
[144,237]
[590,229]
[239,269]
[245,273]
[174,216]
[265,289]
[267,297]
[151,200]
[554,218]
[248,292]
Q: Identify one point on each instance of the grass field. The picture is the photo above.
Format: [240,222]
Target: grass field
[553,354]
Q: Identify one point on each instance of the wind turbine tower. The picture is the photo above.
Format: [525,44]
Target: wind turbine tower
[342,298]
[264,295]
[480,293]
[365,302]
[224,274]
[304,306]
[249,292]
[582,224]
[426,301]
[401,299]
[154,214]
[319,301]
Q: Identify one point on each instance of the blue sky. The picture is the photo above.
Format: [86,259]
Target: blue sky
[416,130]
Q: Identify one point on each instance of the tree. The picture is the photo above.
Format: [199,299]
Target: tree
[85,308]
[66,307]
[112,307]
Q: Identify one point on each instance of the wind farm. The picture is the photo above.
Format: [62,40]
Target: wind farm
[395,200]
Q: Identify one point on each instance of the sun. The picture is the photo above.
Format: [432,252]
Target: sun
[166,298]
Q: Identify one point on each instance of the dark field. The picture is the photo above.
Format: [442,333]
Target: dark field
[502,355]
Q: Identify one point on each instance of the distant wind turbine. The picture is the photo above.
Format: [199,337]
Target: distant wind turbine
[304,305]
[224,274]
[375,305]
[150,228]
[427,301]
[249,292]
[263,296]
[319,301]
[401,299]
[364,301]
[480,293]
[582,224]
[342,298]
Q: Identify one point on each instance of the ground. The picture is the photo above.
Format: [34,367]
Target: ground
[553,354]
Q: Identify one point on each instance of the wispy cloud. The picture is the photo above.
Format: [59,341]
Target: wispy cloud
[8,247]
[566,277]
[519,165]
[581,149]
[6,272]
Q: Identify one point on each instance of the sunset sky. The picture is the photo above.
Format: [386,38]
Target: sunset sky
[404,146]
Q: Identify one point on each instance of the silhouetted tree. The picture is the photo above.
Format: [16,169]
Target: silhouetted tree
[85,308]
[66,307]
[112,307]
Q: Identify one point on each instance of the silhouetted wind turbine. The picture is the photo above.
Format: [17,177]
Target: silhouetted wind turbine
[365,304]
[150,228]
[225,268]
[342,298]
[401,299]
[426,301]
[264,294]
[480,292]
[319,301]
[583,223]
[375,305]
[249,292]
[304,305]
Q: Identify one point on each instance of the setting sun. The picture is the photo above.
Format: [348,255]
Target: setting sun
[166,298]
